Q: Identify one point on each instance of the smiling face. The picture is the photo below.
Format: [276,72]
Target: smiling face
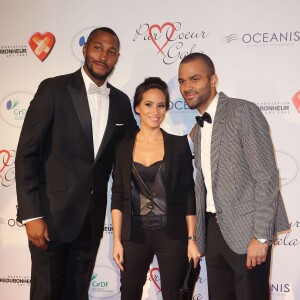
[196,86]
[101,54]
[152,108]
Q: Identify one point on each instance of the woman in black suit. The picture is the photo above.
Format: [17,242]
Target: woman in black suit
[153,199]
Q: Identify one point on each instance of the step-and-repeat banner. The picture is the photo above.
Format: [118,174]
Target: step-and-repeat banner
[255,46]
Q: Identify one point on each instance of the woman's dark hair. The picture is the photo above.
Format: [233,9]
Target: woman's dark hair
[149,84]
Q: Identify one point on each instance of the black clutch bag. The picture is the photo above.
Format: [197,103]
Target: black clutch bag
[191,277]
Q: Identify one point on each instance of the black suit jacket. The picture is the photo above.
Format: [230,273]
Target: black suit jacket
[57,176]
[178,179]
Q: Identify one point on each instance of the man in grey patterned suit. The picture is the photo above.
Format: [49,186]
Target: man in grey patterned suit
[239,205]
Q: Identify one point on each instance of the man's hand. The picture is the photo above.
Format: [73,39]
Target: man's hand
[37,232]
[257,254]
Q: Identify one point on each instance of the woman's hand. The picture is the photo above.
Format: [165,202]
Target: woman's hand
[193,252]
[118,252]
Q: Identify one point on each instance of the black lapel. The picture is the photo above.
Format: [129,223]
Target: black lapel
[168,144]
[113,112]
[127,158]
[78,95]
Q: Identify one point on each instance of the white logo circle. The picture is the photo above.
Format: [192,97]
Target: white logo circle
[288,167]
[105,282]
[79,41]
[14,107]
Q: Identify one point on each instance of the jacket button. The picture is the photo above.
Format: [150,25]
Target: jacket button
[91,191]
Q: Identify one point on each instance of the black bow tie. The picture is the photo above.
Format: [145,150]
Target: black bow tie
[206,117]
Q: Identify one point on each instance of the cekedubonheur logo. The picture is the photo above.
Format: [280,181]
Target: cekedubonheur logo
[105,282]
[79,41]
[13,108]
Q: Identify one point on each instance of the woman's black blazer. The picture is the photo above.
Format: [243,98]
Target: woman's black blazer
[178,178]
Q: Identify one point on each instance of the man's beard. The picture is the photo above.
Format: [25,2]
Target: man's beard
[97,76]
[201,99]
[191,106]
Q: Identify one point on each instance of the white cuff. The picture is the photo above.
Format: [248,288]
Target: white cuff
[28,220]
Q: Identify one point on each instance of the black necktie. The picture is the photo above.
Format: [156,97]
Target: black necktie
[206,117]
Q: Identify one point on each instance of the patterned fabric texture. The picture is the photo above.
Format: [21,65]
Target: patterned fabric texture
[245,178]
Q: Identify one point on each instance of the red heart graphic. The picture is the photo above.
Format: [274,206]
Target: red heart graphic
[5,162]
[160,28]
[296,101]
[153,279]
[41,44]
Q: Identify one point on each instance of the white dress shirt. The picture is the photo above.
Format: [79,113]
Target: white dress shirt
[206,133]
[99,107]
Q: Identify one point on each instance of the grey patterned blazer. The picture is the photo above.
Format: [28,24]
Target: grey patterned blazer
[244,174]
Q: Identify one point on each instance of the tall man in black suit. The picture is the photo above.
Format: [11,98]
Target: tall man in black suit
[237,186]
[63,163]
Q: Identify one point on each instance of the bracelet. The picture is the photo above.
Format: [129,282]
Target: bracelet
[192,237]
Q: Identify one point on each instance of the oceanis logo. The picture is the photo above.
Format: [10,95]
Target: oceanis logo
[12,224]
[280,288]
[7,167]
[263,39]
[229,38]
[170,40]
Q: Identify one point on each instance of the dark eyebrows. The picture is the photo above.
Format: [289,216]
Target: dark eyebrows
[150,101]
[195,75]
[111,48]
[191,77]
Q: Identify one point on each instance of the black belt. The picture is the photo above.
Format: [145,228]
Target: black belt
[211,215]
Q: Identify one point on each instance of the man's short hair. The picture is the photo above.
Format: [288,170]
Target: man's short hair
[203,57]
[104,29]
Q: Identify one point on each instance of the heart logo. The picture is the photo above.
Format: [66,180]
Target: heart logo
[4,159]
[169,34]
[296,101]
[41,44]
[153,279]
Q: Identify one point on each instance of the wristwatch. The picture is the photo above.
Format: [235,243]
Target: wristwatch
[261,241]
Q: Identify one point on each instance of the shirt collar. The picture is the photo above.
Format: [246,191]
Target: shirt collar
[87,80]
[211,110]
